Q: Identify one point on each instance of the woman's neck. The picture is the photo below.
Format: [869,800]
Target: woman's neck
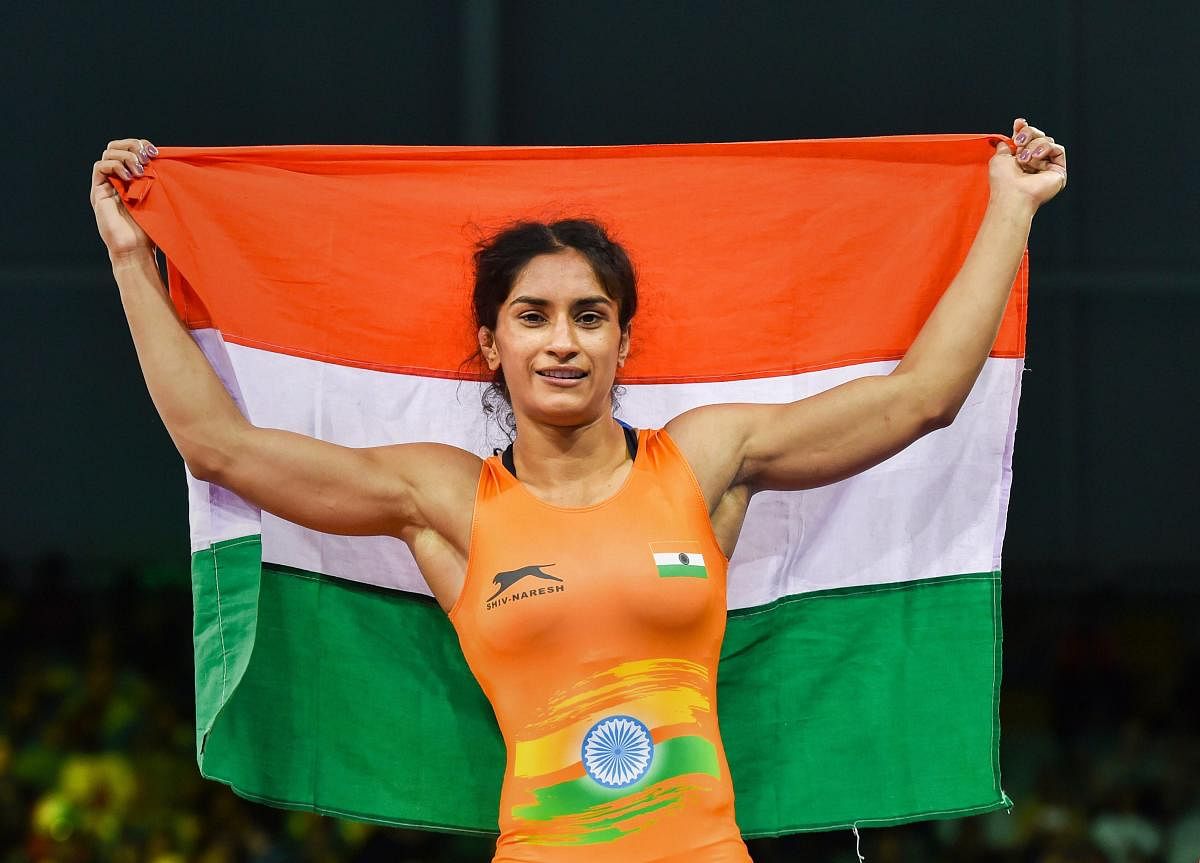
[576,462]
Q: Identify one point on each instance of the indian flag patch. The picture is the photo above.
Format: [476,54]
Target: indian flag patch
[678,559]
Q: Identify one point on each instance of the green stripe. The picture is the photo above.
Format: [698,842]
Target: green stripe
[675,570]
[871,705]
[223,632]
[674,757]
[330,710]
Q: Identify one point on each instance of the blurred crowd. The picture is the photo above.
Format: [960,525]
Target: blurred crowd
[97,742]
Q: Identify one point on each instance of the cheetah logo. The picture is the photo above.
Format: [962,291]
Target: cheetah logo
[505,580]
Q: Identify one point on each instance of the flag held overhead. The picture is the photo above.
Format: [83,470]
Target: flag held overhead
[859,677]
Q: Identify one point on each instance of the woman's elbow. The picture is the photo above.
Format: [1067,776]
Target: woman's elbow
[942,413]
[930,410]
[208,459]
[203,465]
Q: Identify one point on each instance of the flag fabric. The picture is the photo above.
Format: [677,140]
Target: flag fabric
[329,287]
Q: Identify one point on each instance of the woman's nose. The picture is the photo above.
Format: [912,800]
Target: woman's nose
[562,336]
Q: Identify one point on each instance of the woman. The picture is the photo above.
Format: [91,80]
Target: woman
[592,652]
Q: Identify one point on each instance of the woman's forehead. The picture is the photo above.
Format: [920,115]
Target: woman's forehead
[558,276]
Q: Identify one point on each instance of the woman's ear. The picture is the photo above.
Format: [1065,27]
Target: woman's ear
[623,350]
[487,346]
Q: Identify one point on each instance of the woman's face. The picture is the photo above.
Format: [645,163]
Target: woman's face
[557,318]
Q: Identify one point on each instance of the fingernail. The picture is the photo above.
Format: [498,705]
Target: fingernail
[1020,139]
[1038,151]
[1024,155]
[137,168]
[153,150]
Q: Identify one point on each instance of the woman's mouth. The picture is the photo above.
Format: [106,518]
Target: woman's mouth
[563,377]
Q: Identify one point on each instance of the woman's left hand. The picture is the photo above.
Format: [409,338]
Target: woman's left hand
[1037,171]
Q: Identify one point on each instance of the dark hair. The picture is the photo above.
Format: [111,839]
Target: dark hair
[501,257]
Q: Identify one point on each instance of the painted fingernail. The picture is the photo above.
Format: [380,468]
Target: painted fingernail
[153,150]
[137,168]
[1039,151]
[1024,155]
[1020,139]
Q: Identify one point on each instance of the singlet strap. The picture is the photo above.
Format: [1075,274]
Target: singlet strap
[631,444]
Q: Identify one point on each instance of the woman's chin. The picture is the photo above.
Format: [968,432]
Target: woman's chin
[565,409]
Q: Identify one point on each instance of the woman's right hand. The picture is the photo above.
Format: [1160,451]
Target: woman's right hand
[121,234]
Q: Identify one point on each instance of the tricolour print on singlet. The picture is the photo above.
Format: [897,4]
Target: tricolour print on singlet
[614,752]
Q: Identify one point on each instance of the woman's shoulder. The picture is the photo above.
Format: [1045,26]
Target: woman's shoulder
[438,473]
[440,482]
[442,456]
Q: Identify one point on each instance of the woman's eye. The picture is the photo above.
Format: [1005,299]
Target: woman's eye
[587,318]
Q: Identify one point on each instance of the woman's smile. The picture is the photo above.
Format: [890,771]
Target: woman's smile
[562,376]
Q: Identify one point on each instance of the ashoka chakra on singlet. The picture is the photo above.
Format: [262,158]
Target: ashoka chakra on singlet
[617,751]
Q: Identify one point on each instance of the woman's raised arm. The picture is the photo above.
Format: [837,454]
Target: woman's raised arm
[335,489]
[854,426]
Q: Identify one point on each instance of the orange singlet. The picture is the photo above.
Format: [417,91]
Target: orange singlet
[595,633]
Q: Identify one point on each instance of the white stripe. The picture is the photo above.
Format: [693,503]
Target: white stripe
[937,508]
[215,513]
[671,558]
[932,510]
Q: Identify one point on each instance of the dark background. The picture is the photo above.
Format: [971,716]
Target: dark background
[1101,559]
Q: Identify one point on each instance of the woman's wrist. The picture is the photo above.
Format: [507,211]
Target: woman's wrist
[132,258]
[1012,203]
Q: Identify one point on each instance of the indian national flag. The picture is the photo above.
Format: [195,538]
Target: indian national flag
[679,559]
[329,288]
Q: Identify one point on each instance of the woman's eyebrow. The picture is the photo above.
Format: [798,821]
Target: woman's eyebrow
[597,300]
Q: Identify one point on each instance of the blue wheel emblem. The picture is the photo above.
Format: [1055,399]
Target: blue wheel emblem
[617,751]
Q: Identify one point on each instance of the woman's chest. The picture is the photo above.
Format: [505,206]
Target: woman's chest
[578,584]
